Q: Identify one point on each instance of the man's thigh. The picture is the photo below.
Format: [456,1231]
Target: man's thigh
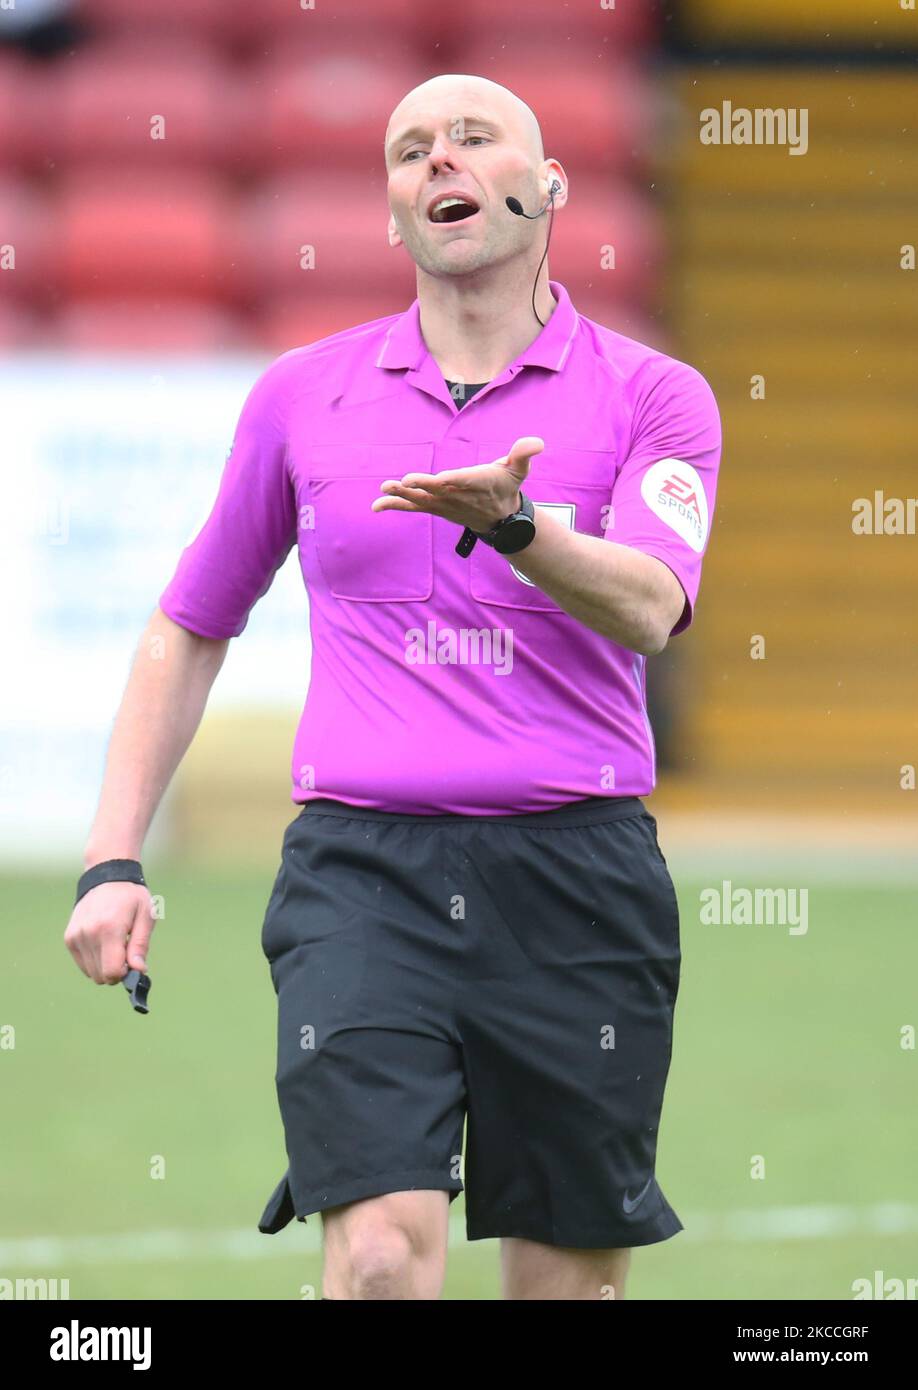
[369,1073]
[567,1035]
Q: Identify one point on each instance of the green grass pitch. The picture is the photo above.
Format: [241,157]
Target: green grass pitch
[786,1046]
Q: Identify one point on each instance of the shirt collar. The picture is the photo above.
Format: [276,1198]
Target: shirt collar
[404,344]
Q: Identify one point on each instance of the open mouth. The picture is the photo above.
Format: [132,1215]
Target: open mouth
[452,209]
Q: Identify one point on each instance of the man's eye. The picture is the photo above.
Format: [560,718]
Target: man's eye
[409,153]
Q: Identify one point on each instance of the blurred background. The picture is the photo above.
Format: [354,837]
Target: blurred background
[167,167]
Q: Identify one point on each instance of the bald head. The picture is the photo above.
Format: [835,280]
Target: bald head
[459,97]
[471,141]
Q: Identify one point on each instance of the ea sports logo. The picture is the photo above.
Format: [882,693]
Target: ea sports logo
[672,490]
[683,492]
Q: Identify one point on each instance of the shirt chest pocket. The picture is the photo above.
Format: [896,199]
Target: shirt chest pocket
[367,556]
[574,487]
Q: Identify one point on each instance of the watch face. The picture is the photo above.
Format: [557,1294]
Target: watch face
[514,535]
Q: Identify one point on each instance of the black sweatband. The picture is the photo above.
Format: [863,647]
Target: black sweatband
[110,871]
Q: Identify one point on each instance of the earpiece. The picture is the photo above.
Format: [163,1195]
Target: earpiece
[516,207]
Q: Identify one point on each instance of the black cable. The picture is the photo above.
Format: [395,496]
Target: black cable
[551,223]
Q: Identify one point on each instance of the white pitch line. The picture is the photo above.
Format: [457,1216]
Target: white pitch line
[245,1243]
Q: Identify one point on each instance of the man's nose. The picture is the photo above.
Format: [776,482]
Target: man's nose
[443,154]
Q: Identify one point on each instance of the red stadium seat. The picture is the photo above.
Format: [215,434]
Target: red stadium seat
[342,219]
[608,238]
[345,24]
[136,235]
[329,107]
[288,322]
[597,304]
[28,241]
[207,18]
[254,22]
[625,26]
[100,105]
[143,325]
[20,328]
[17,111]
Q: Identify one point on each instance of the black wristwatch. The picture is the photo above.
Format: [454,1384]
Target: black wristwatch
[513,533]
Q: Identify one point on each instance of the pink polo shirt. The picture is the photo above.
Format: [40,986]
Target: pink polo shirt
[441,684]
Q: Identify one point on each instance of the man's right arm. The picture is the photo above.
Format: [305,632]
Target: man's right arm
[221,574]
[163,702]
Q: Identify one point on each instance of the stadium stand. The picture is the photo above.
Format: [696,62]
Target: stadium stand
[788,268]
[268,142]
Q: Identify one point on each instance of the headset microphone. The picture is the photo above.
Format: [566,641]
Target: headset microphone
[516,207]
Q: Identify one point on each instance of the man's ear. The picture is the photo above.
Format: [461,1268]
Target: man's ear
[548,173]
[392,232]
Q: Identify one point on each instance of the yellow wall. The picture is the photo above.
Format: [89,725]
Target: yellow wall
[823,23]
[789,267]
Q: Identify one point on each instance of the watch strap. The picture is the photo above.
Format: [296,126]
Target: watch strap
[468,538]
[466,542]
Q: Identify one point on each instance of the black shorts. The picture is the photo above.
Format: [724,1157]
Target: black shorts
[520,971]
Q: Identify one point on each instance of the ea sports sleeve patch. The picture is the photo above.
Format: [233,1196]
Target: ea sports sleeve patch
[664,491]
[673,490]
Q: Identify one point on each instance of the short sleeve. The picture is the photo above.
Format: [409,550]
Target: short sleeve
[664,493]
[231,563]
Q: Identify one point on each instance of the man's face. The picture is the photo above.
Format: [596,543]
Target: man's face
[460,141]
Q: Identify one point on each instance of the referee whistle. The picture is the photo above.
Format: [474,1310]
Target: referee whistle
[138,987]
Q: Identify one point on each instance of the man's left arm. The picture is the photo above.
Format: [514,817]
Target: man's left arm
[638,583]
[633,598]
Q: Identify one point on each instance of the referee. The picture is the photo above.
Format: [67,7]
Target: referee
[500,509]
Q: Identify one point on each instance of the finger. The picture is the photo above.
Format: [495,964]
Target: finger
[112,956]
[139,940]
[91,946]
[451,479]
[447,483]
[404,487]
[97,950]
[394,504]
[437,483]
[523,450]
[415,485]
[74,944]
[429,482]
[423,500]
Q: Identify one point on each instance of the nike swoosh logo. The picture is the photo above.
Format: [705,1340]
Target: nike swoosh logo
[628,1205]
